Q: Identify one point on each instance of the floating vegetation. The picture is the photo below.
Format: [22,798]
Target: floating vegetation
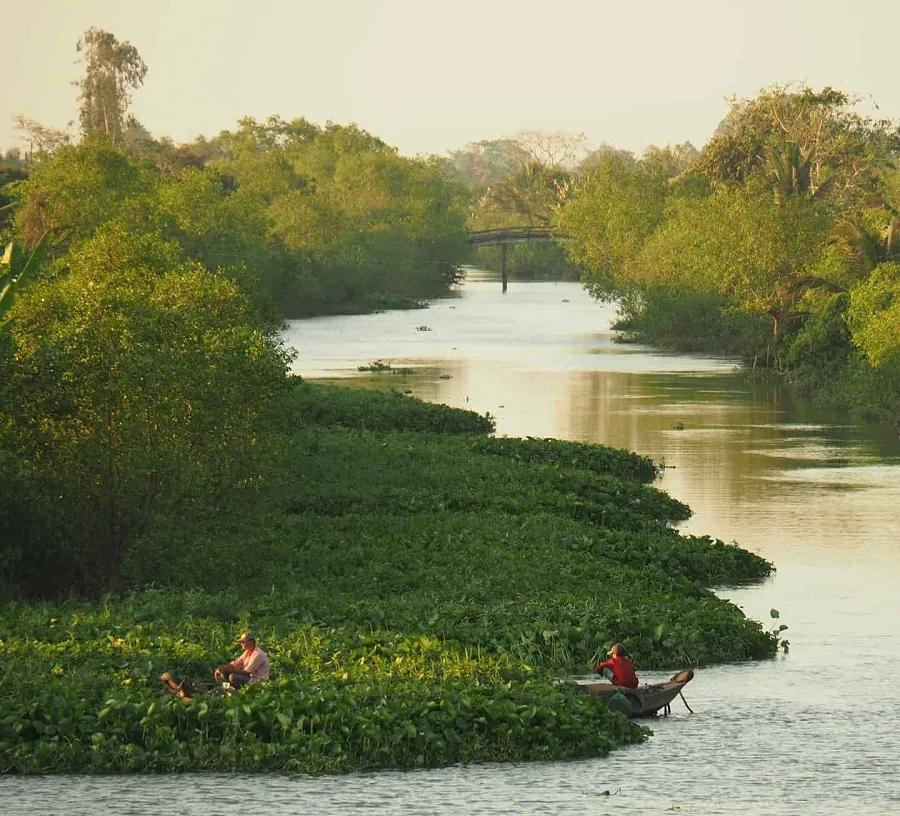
[381,302]
[327,406]
[423,328]
[376,367]
[340,699]
[417,584]
[381,367]
[678,426]
[776,629]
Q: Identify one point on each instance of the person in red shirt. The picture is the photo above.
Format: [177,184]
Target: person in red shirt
[619,670]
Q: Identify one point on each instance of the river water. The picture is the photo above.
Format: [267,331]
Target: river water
[814,731]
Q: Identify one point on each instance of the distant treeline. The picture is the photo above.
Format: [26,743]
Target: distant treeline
[322,219]
[777,242]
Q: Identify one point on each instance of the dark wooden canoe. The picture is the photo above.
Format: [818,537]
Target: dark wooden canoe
[647,700]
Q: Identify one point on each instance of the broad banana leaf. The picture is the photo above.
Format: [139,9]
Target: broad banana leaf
[16,270]
[12,259]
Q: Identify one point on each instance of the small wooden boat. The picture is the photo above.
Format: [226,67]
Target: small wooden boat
[645,700]
[186,691]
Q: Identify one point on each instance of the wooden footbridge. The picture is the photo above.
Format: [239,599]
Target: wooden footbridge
[511,235]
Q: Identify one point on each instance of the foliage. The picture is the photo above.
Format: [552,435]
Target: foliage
[11,170]
[690,321]
[824,342]
[791,204]
[354,221]
[332,407]
[414,591]
[416,582]
[423,628]
[531,195]
[320,220]
[111,70]
[533,261]
[133,384]
[480,164]
[615,207]
[352,471]
[16,271]
[742,244]
[78,189]
[874,316]
[802,142]
[85,698]
[622,464]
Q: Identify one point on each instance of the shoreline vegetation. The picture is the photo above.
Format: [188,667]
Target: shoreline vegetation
[420,587]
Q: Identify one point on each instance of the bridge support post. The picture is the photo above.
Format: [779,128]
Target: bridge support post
[503,265]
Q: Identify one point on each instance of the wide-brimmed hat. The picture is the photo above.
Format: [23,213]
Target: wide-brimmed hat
[248,635]
[617,649]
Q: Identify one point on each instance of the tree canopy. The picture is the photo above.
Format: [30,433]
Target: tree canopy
[791,200]
[112,69]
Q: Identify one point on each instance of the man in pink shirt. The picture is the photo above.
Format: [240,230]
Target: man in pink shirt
[251,667]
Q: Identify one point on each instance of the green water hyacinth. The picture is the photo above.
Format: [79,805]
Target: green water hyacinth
[422,590]
[339,701]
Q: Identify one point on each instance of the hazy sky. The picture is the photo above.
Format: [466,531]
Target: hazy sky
[430,76]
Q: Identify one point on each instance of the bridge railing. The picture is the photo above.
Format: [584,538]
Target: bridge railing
[509,235]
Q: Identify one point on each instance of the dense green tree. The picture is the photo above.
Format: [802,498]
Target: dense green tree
[614,209]
[744,244]
[823,344]
[350,219]
[802,142]
[874,316]
[78,188]
[12,169]
[786,205]
[134,385]
[17,269]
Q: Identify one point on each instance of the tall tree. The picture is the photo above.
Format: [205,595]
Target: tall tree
[803,142]
[554,149]
[112,71]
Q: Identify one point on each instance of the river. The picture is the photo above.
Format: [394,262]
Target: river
[814,731]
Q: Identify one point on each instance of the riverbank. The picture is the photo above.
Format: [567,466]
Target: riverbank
[418,590]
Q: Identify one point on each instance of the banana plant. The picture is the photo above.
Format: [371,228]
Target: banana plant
[17,269]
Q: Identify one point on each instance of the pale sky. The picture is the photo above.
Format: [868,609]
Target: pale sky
[429,77]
